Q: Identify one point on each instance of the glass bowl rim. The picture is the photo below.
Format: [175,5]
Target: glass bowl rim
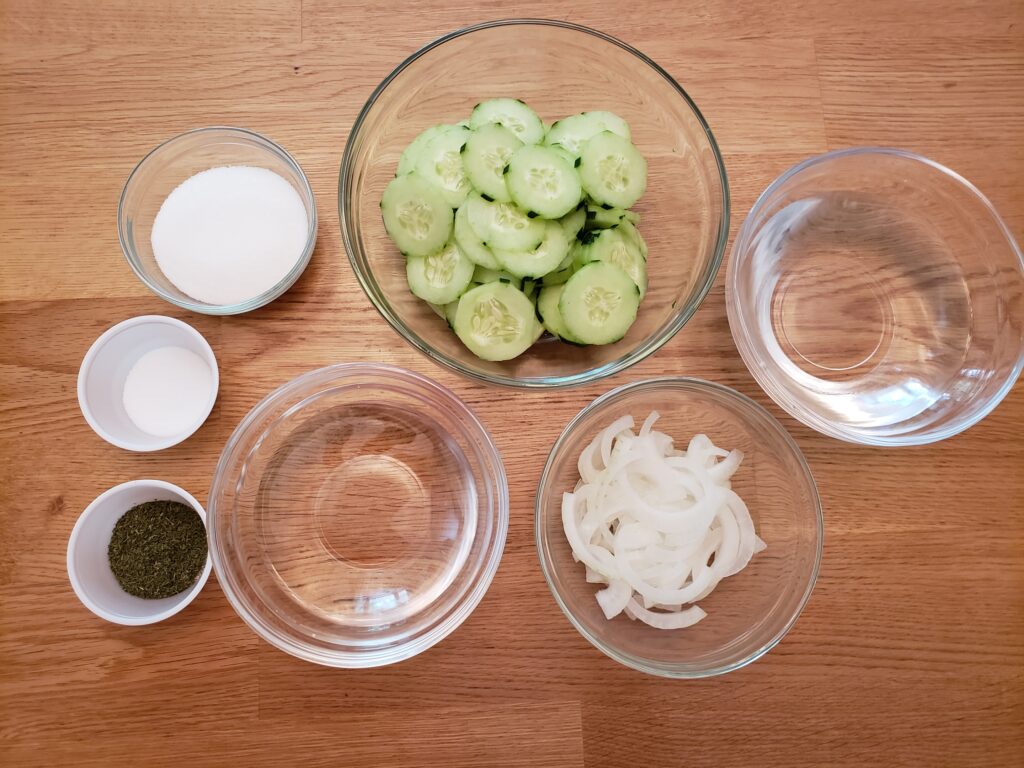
[682,315]
[267,296]
[672,670]
[740,333]
[472,596]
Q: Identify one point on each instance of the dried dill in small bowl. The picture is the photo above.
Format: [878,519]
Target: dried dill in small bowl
[158,549]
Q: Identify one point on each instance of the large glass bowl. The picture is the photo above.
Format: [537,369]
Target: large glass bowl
[559,69]
[878,297]
[357,515]
[748,613]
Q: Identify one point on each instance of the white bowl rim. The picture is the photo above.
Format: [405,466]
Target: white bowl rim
[186,598]
[93,352]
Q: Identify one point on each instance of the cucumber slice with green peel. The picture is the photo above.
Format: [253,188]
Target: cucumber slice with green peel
[612,170]
[504,225]
[416,217]
[441,276]
[543,181]
[573,221]
[565,268]
[538,330]
[495,321]
[547,307]
[568,156]
[559,276]
[599,303]
[482,275]
[511,113]
[468,241]
[572,132]
[440,163]
[540,260]
[485,155]
[449,311]
[630,231]
[530,288]
[411,154]
[599,217]
[615,246]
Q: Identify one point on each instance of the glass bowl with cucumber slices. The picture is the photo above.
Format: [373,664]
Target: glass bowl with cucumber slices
[533,220]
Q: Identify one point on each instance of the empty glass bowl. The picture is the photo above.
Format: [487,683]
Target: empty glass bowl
[558,69]
[357,515]
[174,161]
[748,613]
[878,297]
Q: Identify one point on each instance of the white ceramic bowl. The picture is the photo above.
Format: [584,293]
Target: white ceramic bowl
[89,568]
[105,368]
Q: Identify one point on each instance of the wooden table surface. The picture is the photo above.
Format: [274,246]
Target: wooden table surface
[911,650]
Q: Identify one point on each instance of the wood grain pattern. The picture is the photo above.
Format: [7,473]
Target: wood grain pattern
[911,651]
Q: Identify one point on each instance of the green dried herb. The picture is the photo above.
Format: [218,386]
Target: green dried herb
[157,549]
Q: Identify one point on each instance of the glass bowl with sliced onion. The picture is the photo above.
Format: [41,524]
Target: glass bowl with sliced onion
[678,527]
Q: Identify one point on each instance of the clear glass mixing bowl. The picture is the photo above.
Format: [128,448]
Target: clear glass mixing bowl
[558,69]
[357,515]
[878,297]
[748,613]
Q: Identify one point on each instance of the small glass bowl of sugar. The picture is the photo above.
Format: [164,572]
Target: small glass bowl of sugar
[218,220]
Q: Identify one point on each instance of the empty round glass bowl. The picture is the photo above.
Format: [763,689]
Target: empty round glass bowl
[568,69]
[878,297]
[357,515]
[748,613]
[178,159]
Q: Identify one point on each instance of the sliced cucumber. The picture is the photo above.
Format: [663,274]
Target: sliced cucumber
[559,276]
[572,132]
[538,261]
[633,217]
[573,221]
[485,155]
[599,217]
[615,246]
[511,113]
[630,231]
[566,155]
[416,216]
[530,288]
[504,225]
[440,277]
[599,303]
[612,170]
[495,321]
[449,311]
[541,180]
[538,329]
[482,275]
[547,307]
[468,241]
[440,163]
[437,309]
[411,154]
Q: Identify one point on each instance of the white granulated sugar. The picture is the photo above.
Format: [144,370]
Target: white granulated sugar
[228,234]
[167,391]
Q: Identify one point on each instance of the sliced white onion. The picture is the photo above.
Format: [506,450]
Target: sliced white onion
[658,526]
